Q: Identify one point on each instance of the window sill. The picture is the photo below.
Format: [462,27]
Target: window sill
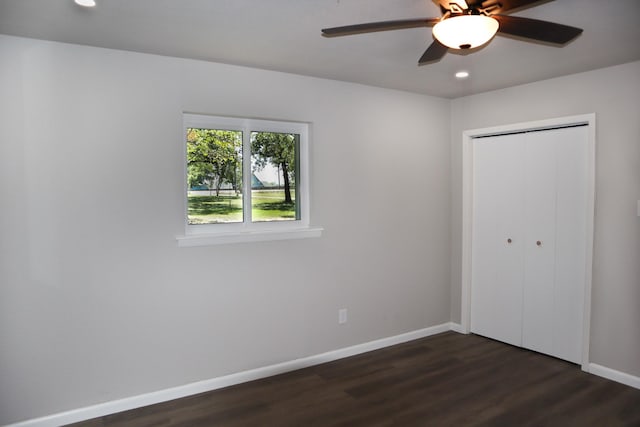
[247,236]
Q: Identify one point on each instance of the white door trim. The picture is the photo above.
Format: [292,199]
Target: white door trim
[467,211]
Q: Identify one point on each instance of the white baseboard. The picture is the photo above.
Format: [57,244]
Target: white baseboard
[456,327]
[139,401]
[613,375]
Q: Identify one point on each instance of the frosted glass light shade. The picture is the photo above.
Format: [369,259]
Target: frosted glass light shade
[465,31]
[86,3]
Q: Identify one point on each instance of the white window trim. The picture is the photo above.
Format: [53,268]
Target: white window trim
[247,231]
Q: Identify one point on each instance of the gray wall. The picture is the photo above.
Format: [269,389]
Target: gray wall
[614,95]
[97,302]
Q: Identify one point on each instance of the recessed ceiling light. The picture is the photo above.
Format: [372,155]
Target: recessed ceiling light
[462,74]
[86,3]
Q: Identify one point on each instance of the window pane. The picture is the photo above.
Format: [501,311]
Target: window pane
[214,176]
[274,167]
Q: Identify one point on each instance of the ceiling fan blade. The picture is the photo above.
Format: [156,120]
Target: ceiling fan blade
[501,6]
[433,53]
[544,31]
[379,26]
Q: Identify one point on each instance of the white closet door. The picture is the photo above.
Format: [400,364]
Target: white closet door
[529,239]
[555,270]
[497,269]
[540,240]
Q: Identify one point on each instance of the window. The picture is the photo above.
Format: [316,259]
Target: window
[246,180]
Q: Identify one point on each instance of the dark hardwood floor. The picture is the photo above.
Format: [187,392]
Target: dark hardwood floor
[444,380]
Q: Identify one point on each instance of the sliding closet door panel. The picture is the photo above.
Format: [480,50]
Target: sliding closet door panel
[571,242]
[497,254]
[540,240]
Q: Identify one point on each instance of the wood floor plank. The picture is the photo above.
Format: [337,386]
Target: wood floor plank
[444,380]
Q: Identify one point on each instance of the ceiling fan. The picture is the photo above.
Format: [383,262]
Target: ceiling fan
[467,24]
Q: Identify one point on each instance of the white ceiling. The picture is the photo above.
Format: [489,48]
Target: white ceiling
[284,35]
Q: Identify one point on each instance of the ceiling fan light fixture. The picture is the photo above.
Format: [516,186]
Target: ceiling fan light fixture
[465,31]
[85,3]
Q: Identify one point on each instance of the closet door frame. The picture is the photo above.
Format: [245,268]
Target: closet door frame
[468,137]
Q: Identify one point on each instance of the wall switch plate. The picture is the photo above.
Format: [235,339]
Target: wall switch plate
[342,316]
[638,207]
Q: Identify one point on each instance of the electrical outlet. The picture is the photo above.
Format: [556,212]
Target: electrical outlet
[342,316]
